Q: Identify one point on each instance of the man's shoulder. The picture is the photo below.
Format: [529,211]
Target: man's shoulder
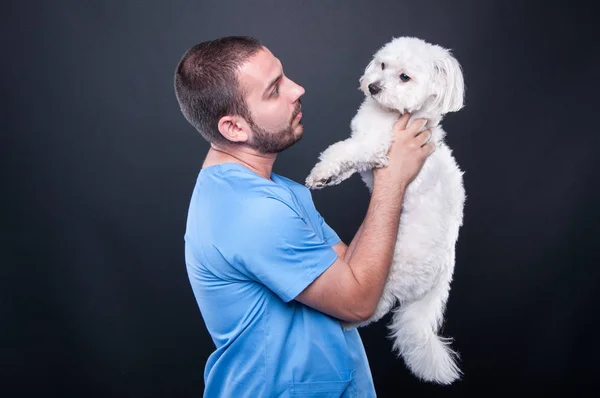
[243,195]
[301,191]
[291,183]
[237,178]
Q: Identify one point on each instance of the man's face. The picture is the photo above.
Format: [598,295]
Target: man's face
[274,104]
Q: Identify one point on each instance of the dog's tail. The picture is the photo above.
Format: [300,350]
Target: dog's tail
[414,329]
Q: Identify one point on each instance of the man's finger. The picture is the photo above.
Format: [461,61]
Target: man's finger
[429,147]
[418,125]
[425,135]
[403,121]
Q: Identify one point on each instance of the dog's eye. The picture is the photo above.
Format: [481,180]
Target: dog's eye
[404,77]
[382,66]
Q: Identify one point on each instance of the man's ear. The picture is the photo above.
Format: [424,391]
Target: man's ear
[234,128]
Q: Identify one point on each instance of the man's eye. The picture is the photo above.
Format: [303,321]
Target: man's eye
[275,92]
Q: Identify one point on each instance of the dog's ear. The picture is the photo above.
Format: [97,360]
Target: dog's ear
[448,84]
[369,65]
[365,72]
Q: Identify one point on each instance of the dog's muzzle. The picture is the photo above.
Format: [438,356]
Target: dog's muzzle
[374,88]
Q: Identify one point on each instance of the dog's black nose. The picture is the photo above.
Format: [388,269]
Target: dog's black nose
[374,88]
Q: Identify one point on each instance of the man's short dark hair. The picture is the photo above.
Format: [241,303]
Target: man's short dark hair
[206,84]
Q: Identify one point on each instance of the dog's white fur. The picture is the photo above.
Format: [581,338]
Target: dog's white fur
[432,210]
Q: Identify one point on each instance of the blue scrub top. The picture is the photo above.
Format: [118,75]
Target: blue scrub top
[251,246]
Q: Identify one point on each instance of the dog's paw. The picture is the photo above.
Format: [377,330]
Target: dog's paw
[322,175]
[380,161]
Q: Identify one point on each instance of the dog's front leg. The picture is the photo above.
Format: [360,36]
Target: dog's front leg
[341,160]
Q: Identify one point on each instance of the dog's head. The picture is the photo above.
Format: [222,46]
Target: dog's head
[409,74]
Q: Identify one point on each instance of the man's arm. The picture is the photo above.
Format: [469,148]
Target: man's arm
[340,249]
[348,253]
[351,287]
[344,251]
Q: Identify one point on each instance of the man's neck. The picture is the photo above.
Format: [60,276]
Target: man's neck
[261,164]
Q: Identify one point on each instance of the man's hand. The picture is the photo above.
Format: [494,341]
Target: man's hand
[407,153]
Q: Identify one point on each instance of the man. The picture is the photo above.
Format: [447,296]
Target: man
[271,278]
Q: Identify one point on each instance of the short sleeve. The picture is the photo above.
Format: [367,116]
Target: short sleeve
[330,236]
[277,247]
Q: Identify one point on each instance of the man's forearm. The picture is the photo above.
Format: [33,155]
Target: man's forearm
[372,254]
[352,247]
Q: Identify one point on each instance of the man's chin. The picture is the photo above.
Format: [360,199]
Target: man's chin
[297,137]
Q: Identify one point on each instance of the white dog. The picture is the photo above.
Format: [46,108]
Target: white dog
[410,75]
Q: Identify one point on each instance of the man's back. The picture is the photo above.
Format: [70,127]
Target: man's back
[251,246]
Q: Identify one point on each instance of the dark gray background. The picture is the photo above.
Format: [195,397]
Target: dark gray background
[98,165]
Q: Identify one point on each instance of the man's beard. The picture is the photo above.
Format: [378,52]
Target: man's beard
[266,141]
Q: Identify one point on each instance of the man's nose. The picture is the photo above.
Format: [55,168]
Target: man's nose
[298,91]
[374,88]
